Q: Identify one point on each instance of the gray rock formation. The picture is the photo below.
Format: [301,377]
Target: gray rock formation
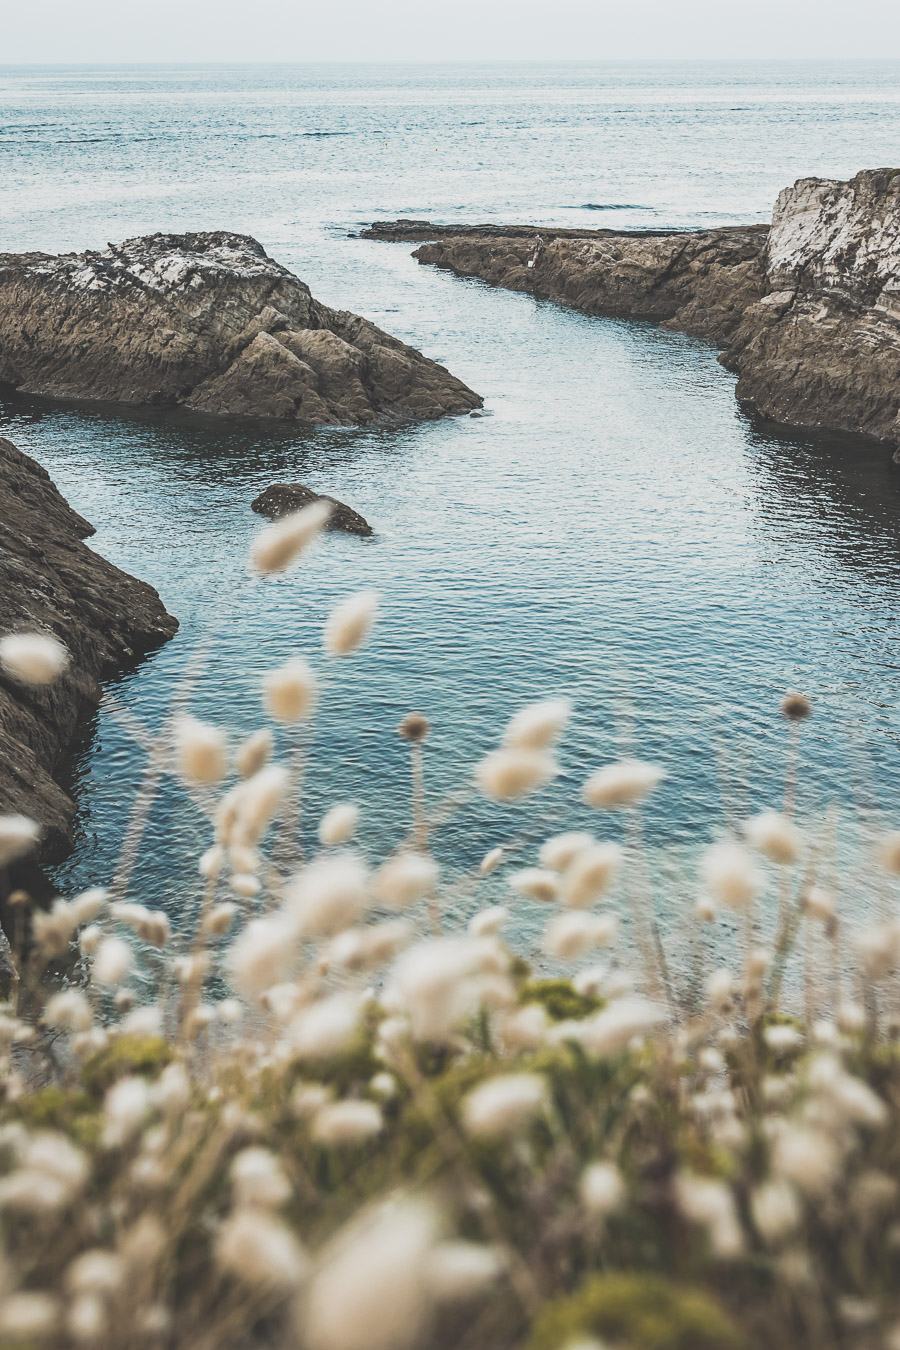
[808,311]
[282,498]
[210,322]
[50,581]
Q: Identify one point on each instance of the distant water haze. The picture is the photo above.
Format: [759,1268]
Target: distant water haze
[487,30]
[616,529]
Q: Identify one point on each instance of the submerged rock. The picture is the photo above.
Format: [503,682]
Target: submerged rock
[282,498]
[808,311]
[210,322]
[51,582]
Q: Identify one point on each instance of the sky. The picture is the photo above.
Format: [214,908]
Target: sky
[453,30]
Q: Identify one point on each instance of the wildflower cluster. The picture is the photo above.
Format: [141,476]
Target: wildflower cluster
[325,1118]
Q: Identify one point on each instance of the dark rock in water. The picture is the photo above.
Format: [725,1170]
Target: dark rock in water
[51,582]
[282,498]
[808,311]
[210,322]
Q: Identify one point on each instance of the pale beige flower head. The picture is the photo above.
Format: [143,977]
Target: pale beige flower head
[18,836]
[33,658]
[622,784]
[539,725]
[775,836]
[338,825]
[201,751]
[504,1105]
[278,546]
[350,623]
[509,774]
[289,692]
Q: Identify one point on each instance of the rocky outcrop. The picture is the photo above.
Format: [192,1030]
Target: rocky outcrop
[699,281]
[50,581]
[210,322]
[808,311]
[821,349]
[282,498]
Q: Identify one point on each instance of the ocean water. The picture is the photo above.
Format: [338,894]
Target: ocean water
[615,528]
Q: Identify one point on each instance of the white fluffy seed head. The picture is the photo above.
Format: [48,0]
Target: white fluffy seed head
[610,1031]
[434,984]
[89,904]
[33,658]
[350,623]
[889,852]
[488,922]
[538,726]
[261,1252]
[730,875]
[257,1180]
[404,879]
[278,546]
[509,774]
[18,836]
[201,751]
[28,1317]
[819,903]
[775,1210]
[289,692]
[775,836]
[536,883]
[504,1105]
[602,1189]
[720,989]
[491,861]
[561,851]
[70,1010]
[569,934]
[112,962]
[255,752]
[369,1290]
[346,1123]
[262,955]
[325,1028]
[338,825]
[329,895]
[590,874]
[622,784]
[457,1271]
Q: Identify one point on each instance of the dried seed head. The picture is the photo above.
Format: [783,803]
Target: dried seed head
[339,824]
[200,751]
[403,880]
[458,1271]
[536,884]
[602,1189]
[259,1251]
[329,895]
[573,932]
[889,852]
[350,623]
[795,707]
[257,1180]
[112,962]
[277,546]
[491,861]
[730,875]
[346,1123]
[538,726]
[18,836]
[504,1105]
[488,922]
[507,775]
[590,874]
[775,836]
[33,658]
[561,851]
[289,693]
[414,727]
[622,784]
[255,752]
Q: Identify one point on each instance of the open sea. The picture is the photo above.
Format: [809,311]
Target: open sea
[615,529]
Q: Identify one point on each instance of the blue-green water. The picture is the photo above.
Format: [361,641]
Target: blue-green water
[615,529]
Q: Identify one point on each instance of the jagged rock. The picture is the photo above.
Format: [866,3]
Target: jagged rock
[282,498]
[822,348]
[808,311]
[210,322]
[52,582]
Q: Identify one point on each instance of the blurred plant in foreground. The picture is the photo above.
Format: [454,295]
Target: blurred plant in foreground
[324,1120]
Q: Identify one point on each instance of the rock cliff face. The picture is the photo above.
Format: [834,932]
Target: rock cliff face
[50,581]
[821,349]
[808,311]
[208,321]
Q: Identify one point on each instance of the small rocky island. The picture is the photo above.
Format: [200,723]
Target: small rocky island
[206,321]
[281,499]
[807,310]
[51,582]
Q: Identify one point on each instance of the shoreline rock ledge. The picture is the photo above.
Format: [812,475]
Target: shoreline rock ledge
[51,582]
[210,322]
[807,311]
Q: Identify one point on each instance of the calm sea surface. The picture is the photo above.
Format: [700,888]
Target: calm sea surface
[615,529]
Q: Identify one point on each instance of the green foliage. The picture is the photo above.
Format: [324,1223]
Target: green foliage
[645,1312]
[559,1000]
[144,1055]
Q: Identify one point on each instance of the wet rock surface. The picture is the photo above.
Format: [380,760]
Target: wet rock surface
[282,498]
[52,582]
[807,311]
[207,321]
